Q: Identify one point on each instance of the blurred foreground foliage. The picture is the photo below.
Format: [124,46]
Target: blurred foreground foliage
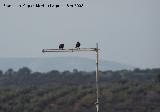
[120,91]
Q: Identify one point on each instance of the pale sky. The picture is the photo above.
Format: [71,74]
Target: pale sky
[127,31]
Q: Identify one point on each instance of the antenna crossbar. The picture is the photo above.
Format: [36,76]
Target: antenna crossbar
[97,59]
[69,50]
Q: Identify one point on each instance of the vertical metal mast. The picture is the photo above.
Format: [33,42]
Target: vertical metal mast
[97,77]
[97,59]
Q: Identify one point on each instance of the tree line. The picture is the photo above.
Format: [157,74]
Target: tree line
[74,91]
[25,77]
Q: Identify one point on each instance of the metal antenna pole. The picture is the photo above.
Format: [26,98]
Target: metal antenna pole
[88,50]
[97,77]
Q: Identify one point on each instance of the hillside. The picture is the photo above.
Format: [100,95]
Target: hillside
[59,63]
[54,91]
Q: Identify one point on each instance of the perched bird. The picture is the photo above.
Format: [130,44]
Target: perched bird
[61,46]
[77,45]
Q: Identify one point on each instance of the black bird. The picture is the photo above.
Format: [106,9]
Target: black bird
[77,45]
[61,46]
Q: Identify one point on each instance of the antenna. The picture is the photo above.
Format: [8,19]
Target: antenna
[97,63]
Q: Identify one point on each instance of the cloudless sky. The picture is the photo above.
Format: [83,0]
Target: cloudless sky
[127,31]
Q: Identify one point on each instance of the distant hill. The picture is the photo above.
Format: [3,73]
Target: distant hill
[59,63]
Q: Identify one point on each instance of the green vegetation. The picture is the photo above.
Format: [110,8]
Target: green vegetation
[120,91]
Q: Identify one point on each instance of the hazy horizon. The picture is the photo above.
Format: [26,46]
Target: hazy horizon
[127,31]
